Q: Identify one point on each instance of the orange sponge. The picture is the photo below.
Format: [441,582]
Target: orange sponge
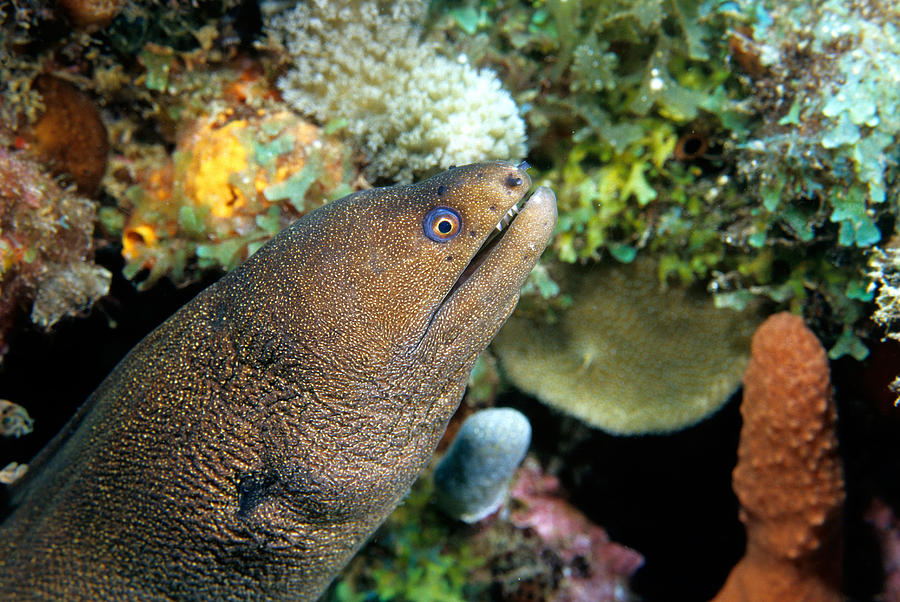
[788,477]
[91,14]
[70,135]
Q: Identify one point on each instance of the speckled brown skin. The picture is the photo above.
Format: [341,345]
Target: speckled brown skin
[249,445]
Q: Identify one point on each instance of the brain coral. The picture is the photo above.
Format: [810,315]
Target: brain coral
[629,356]
[411,109]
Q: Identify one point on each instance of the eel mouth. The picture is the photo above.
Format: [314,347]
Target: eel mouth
[486,291]
[487,246]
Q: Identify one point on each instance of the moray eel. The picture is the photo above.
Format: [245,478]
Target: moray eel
[248,446]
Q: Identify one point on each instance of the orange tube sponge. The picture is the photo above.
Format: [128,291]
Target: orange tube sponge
[788,477]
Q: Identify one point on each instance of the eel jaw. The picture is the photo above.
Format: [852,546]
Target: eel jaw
[486,247]
[488,287]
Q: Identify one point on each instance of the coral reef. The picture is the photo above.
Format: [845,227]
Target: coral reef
[241,171]
[759,207]
[17,68]
[749,147]
[471,480]
[415,555]
[366,65]
[46,247]
[543,549]
[627,81]
[830,129]
[788,478]
[602,361]
[818,160]
[568,535]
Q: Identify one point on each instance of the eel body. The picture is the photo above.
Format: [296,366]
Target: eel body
[248,446]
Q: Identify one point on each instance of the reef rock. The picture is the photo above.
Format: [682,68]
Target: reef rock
[46,247]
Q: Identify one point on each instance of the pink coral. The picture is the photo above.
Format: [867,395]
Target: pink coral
[887,528]
[597,568]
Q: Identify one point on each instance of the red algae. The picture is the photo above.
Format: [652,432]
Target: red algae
[596,568]
[46,247]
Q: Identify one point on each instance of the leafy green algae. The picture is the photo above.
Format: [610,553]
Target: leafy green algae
[795,182]
[415,555]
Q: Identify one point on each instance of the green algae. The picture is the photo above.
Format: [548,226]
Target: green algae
[798,181]
[415,555]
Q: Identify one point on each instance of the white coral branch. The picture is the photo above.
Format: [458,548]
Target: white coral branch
[410,109]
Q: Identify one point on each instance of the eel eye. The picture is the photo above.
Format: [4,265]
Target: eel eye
[442,224]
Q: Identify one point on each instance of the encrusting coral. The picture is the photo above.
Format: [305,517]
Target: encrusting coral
[365,63]
[46,247]
[244,166]
[232,183]
[603,361]
[595,568]
[788,477]
[472,478]
[817,164]
[829,104]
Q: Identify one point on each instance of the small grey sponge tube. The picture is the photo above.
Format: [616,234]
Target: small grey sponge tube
[472,478]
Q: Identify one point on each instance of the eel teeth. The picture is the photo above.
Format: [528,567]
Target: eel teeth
[504,221]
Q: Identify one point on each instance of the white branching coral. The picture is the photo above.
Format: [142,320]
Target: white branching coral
[884,276]
[411,109]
